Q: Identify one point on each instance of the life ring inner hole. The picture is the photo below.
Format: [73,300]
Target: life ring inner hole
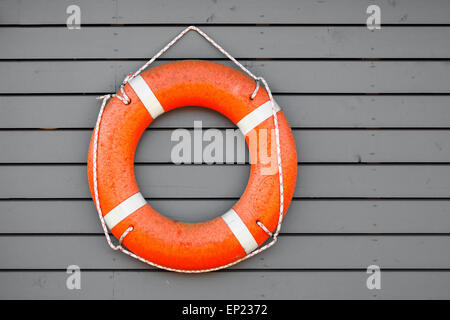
[198,128]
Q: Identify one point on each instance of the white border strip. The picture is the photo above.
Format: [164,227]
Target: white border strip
[124,209]
[147,96]
[240,231]
[256,117]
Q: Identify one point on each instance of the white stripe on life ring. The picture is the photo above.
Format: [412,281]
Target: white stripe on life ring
[256,117]
[147,96]
[240,231]
[124,209]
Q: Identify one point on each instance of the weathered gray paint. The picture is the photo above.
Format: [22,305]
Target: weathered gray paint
[230,12]
[202,181]
[255,42]
[354,146]
[302,111]
[237,284]
[285,76]
[306,216]
[293,252]
[347,214]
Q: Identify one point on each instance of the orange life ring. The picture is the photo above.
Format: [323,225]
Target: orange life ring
[170,243]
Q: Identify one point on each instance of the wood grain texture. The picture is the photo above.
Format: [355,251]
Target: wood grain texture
[304,216]
[258,285]
[229,12]
[201,181]
[291,252]
[316,146]
[255,42]
[283,76]
[303,111]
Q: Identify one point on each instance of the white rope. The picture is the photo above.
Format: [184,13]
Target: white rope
[126,100]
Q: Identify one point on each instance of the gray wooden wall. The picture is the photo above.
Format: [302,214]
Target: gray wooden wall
[370,111]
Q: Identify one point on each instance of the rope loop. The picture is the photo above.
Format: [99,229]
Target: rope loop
[126,100]
[126,232]
[256,90]
[262,226]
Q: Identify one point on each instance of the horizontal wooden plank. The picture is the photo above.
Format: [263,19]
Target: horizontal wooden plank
[291,252]
[254,42]
[304,216]
[283,76]
[201,181]
[258,285]
[234,11]
[308,111]
[350,146]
